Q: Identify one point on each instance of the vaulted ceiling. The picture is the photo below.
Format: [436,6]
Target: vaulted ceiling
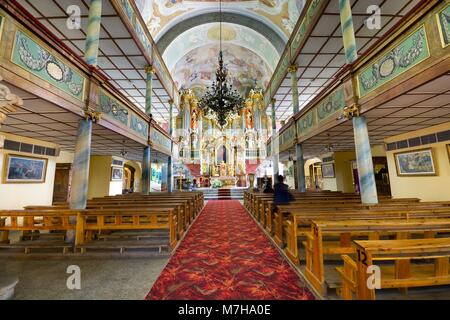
[254,34]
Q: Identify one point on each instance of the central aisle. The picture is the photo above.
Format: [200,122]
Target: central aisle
[224,256]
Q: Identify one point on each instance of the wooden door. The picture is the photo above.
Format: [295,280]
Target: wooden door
[61,187]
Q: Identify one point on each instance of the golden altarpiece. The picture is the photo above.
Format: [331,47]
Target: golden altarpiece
[225,153]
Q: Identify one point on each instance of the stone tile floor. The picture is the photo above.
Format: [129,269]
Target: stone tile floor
[100,278]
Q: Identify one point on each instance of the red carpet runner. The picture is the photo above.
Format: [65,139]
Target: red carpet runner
[225,256]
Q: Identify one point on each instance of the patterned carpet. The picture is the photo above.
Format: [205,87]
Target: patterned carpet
[225,256]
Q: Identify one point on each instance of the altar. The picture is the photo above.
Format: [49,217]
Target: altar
[226,181]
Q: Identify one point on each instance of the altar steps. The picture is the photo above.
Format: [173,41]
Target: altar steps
[223,194]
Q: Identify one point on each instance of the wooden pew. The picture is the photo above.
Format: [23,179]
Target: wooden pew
[267,220]
[180,209]
[333,212]
[25,220]
[87,222]
[335,238]
[91,221]
[433,269]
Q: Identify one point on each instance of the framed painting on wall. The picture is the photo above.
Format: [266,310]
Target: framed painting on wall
[415,163]
[116,173]
[328,170]
[21,169]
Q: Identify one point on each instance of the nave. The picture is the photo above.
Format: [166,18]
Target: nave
[121,119]
[232,260]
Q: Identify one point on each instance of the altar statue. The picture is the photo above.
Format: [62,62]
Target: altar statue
[248,118]
[194,119]
[223,169]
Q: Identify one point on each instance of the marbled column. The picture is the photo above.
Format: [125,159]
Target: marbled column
[80,168]
[348,32]
[149,89]
[301,180]
[147,158]
[93,32]
[300,168]
[294,87]
[364,159]
[170,161]
[275,156]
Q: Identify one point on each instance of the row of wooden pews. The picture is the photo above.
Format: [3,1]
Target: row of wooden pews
[152,222]
[334,239]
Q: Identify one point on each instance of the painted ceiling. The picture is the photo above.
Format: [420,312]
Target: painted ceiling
[161,15]
[245,68]
[192,57]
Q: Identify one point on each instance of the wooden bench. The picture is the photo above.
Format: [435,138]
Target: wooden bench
[306,215]
[28,220]
[335,238]
[95,220]
[179,207]
[394,257]
[87,222]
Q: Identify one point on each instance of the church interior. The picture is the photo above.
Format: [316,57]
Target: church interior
[225,150]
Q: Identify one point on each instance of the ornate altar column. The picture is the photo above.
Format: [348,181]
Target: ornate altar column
[364,160]
[147,161]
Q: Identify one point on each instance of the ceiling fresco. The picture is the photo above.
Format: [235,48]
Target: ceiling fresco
[161,15]
[209,34]
[246,69]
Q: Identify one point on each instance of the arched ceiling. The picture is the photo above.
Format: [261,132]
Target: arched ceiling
[161,15]
[246,69]
[192,56]
[255,33]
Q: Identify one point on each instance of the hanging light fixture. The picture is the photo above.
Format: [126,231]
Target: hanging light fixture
[221,102]
[123,152]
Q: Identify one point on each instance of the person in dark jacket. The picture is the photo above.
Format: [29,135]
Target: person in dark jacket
[281,192]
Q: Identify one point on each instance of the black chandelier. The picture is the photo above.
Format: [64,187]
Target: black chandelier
[221,100]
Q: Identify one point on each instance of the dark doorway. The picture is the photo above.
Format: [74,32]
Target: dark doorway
[128,181]
[61,187]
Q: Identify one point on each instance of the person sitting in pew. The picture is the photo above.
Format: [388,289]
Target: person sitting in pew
[268,188]
[281,192]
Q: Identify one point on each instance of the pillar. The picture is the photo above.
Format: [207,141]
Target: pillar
[275,156]
[170,160]
[80,177]
[300,168]
[294,88]
[82,155]
[348,32]
[364,161]
[93,32]
[147,158]
[301,180]
[366,174]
